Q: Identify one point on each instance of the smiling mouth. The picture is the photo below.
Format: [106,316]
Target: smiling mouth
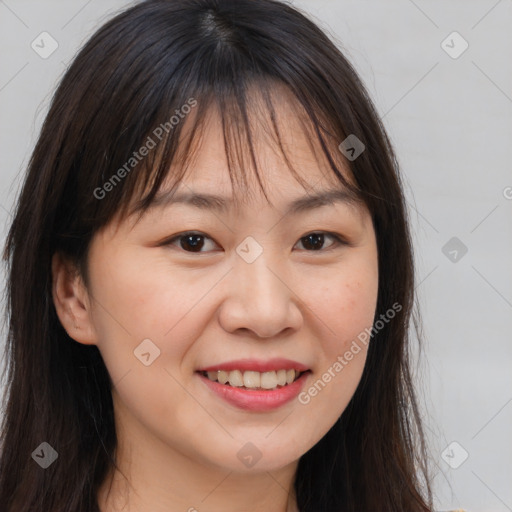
[252,380]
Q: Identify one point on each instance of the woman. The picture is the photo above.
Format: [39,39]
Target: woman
[211,278]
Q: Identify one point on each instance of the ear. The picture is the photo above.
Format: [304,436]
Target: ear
[72,301]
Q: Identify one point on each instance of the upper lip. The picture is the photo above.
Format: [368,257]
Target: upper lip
[257,365]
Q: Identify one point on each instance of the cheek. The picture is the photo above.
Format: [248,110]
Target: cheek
[136,302]
[346,307]
[347,303]
[153,303]
[350,311]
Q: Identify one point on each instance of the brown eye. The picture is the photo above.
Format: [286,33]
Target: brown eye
[189,242]
[194,242]
[315,241]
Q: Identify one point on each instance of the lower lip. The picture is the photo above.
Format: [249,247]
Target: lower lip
[257,400]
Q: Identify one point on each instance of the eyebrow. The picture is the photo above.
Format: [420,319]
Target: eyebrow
[212,202]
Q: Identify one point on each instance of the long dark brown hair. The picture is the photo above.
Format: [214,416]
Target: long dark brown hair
[128,80]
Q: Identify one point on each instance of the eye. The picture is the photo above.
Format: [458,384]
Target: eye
[194,242]
[189,241]
[314,241]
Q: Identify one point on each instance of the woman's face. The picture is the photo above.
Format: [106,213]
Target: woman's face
[252,296]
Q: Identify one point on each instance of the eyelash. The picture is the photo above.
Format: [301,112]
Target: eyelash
[339,240]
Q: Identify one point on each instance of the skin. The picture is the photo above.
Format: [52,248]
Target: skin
[178,442]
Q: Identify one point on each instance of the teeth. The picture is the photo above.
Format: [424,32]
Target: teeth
[236,378]
[254,380]
[269,380]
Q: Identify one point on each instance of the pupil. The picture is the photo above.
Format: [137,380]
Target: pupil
[193,242]
[318,241]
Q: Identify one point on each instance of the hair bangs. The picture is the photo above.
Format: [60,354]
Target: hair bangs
[248,116]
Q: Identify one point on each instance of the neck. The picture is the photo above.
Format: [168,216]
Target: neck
[179,491]
[152,476]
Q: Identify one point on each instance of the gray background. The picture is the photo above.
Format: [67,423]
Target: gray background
[451,122]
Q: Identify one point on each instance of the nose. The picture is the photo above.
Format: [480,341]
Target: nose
[261,299]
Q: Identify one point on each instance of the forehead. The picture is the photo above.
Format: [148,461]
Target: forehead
[273,150]
[277,148]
